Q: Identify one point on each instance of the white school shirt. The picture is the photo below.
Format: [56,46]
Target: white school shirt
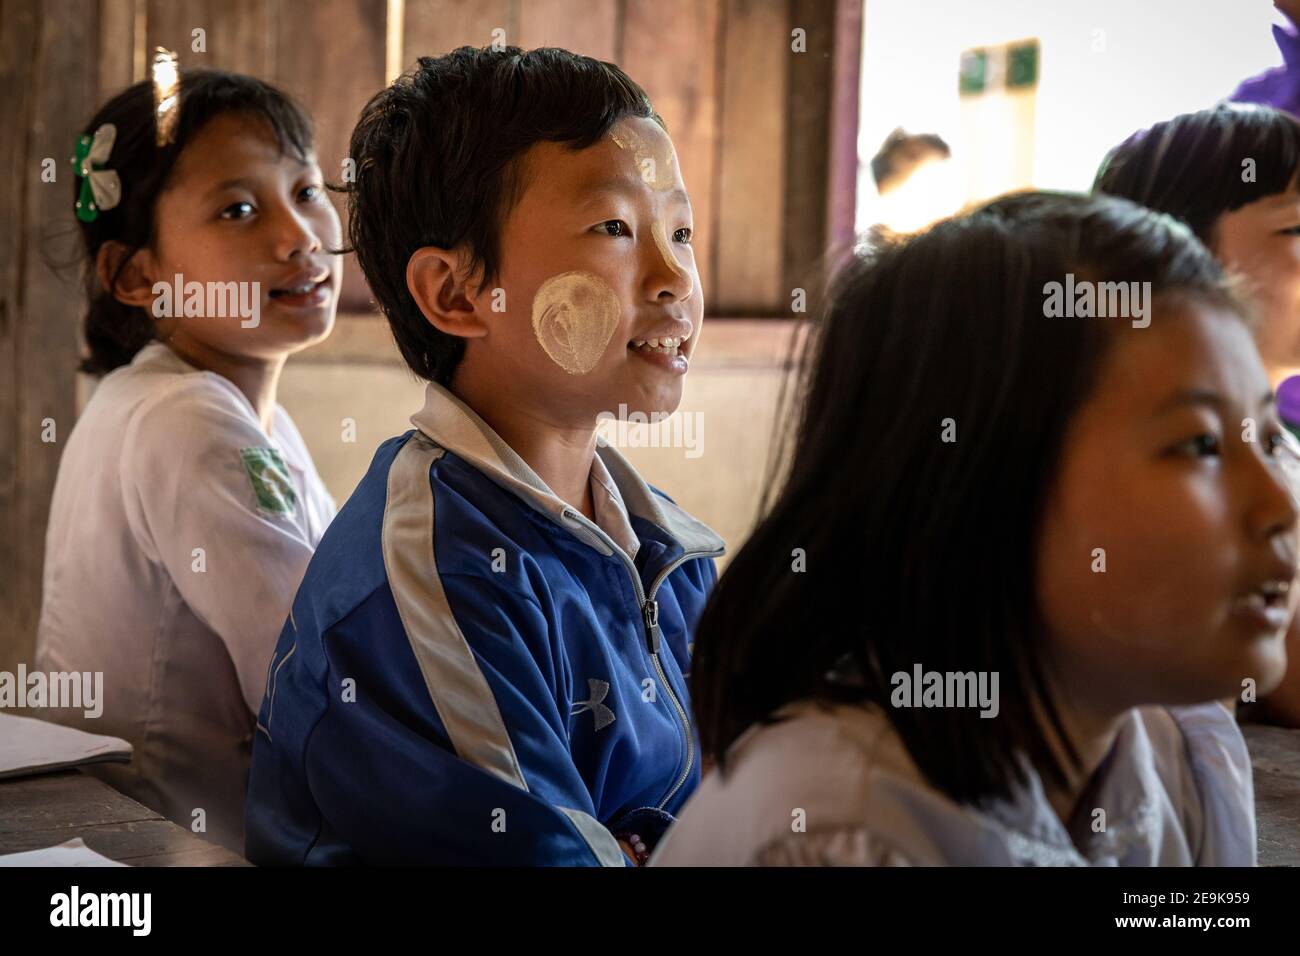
[835,787]
[175,545]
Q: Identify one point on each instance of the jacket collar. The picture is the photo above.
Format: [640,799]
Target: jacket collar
[451,424]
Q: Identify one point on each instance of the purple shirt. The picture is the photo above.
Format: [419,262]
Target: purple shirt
[1280,86]
[1288,401]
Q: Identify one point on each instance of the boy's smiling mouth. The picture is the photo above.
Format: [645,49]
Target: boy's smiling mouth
[665,348]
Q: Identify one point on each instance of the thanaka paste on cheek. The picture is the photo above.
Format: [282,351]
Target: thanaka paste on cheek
[574,316]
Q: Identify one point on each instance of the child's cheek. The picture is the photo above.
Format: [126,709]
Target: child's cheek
[574,316]
[1138,587]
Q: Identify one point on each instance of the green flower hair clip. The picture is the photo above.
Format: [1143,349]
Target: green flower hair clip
[101,189]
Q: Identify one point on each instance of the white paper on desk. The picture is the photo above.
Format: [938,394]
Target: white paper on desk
[73,853]
[30,746]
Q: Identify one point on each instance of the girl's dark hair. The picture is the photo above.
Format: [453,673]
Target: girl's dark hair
[928,555]
[1198,166]
[437,164]
[114,331]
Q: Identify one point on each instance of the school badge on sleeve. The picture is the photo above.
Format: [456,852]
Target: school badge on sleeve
[269,476]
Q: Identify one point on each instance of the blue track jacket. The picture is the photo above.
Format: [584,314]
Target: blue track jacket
[474,673]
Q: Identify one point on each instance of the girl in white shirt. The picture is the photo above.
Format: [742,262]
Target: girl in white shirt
[187,506]
[1022,550]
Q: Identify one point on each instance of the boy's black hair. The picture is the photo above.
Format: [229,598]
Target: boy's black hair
[929,553]
[114,331]
[438,163]
[1194,166]
[901,153]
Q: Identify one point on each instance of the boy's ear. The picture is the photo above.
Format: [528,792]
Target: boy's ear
[134,278]
[440,286]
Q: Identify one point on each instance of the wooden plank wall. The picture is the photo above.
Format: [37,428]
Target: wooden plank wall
[750,117]
[49,72]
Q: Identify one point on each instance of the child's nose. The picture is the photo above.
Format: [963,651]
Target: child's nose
[1277,510]
[669,275]
[295,235]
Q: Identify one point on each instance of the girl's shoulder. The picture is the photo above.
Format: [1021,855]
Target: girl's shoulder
[158,384]
[288,437]
[1204,765]
[163,400]
[818,772]
[834,785]
[1199,744]
[162,419]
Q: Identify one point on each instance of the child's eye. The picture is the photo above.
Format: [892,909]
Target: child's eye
[682,235]
[240,210]
[614,227]
[1201,446]
[1274,444]
[312,193]
[1290,231]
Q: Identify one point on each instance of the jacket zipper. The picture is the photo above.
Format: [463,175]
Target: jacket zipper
[650,617]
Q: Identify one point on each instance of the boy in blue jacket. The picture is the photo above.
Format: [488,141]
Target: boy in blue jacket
[486,661]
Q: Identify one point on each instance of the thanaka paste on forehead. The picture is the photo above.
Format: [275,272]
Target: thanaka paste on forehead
[626,136]
[574,317]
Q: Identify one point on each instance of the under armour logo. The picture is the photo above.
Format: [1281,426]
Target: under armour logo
[599,690]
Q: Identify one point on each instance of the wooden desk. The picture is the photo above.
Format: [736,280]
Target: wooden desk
[1275,756]
[46,810]
[50,809]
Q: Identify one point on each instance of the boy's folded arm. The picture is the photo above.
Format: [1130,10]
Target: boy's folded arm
[464,755]
[193,508]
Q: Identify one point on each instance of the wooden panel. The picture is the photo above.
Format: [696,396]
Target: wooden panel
[807,146]
[238,33]
[116,46]
[49,67]
[670,48]
[435,27]
[330,56]
[19,27]
[749,277]
[589,27]
[842,176]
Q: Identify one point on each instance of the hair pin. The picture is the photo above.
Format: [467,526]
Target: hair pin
[101,189]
